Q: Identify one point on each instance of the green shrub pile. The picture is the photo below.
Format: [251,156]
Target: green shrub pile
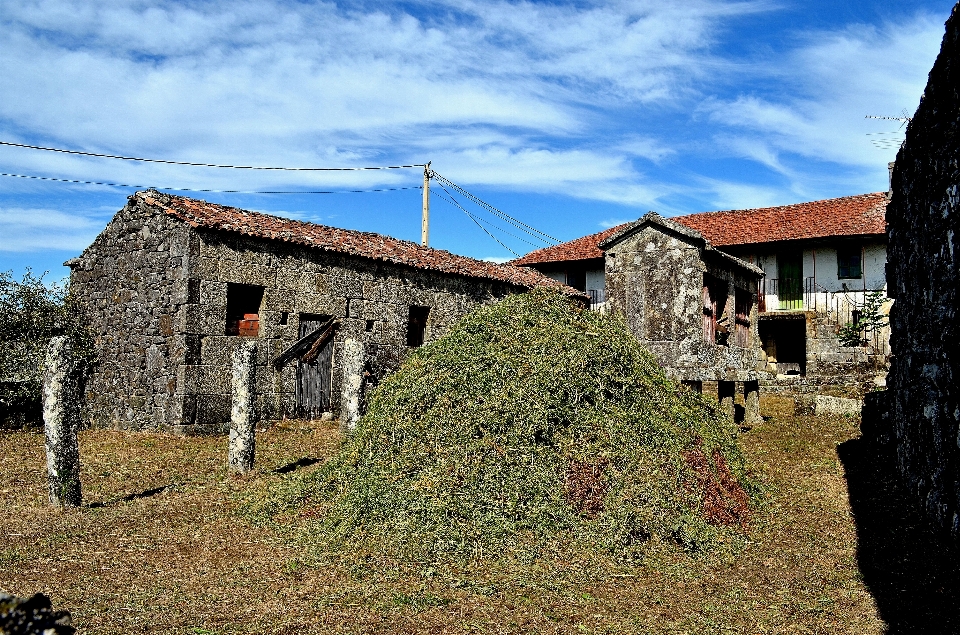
[532,421]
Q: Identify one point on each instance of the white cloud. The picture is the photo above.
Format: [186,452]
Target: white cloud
[25,230]
[826,87]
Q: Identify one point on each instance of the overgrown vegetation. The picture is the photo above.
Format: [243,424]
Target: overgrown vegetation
[31,312]
[871,320]
[533,423]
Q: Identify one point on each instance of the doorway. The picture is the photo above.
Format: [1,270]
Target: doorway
[314,370]
[790,276]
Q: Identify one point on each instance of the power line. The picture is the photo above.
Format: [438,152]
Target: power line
[204,165]
[536,233]
[494,225]
[187,189]
[453,201]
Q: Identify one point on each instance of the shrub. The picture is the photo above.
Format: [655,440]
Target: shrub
[532,421]
[31,312]
[871,319]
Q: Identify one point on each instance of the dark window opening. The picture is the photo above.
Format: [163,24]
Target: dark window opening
[417,325]
[716,327]
[744,306]
[284,317]
[369,326]
[849,263]
[577,280]
[784,344]
[856,316]
[243,309]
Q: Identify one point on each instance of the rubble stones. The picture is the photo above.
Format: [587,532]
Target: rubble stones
[32,616]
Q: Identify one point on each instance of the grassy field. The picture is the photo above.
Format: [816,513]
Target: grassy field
[159,547]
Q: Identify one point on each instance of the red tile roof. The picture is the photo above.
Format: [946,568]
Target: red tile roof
[861,215]
[199,213]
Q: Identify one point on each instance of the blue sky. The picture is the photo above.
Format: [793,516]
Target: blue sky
[569,116]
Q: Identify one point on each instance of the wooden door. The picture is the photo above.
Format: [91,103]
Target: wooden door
[790,280]
[314,371]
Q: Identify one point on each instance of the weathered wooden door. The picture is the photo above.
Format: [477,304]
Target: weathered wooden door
[314,371]
[790,285]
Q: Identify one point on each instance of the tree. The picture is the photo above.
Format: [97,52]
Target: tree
[31,312]
[871,320]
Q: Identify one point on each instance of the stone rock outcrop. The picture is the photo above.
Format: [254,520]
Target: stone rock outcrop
[32,616]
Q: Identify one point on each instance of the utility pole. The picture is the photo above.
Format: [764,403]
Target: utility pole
[425,222]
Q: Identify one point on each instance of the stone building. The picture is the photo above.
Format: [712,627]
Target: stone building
[692,306]
[923,219]
[172,284]
[819,261]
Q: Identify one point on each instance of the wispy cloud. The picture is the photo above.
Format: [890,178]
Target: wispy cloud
[25,230]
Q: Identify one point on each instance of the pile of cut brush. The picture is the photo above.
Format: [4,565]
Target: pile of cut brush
[532,421]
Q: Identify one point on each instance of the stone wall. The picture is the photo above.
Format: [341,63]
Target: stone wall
[923,221]
[370,299]
[654,278]
[132,282]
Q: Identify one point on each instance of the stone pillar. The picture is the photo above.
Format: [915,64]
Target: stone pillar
[61,418]
[243,420]
[352,363]
[725,393]
[751,403]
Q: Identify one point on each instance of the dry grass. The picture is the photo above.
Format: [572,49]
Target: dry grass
[182,560]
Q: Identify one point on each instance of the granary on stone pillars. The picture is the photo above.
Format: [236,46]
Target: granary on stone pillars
[692,306]
[821,261]
[172,285]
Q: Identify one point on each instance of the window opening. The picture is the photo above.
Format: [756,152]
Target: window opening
[284,317]
[577,280]
[417,325]
[243,309]
[849,263]
[369,326]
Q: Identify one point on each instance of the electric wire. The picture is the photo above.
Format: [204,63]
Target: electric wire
[187,189]
[497,227]
[453,201]
[204,165]
[536,233]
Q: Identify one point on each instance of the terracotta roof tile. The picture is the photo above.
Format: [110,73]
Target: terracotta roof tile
[848,216]
[199,213]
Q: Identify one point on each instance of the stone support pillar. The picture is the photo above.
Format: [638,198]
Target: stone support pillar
[243,420]
[751,403]
[61,418]
[725,392]
[352,363]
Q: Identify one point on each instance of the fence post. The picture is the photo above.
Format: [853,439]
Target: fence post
[352,363]
[61,418]
[243,422]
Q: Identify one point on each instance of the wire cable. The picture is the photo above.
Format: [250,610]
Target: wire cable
[204,165]
[453,201]
[186,189]
[536,233]
[494,225]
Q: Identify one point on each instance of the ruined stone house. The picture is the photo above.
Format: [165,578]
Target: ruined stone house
[693,306]
[172,284]
[819,260]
